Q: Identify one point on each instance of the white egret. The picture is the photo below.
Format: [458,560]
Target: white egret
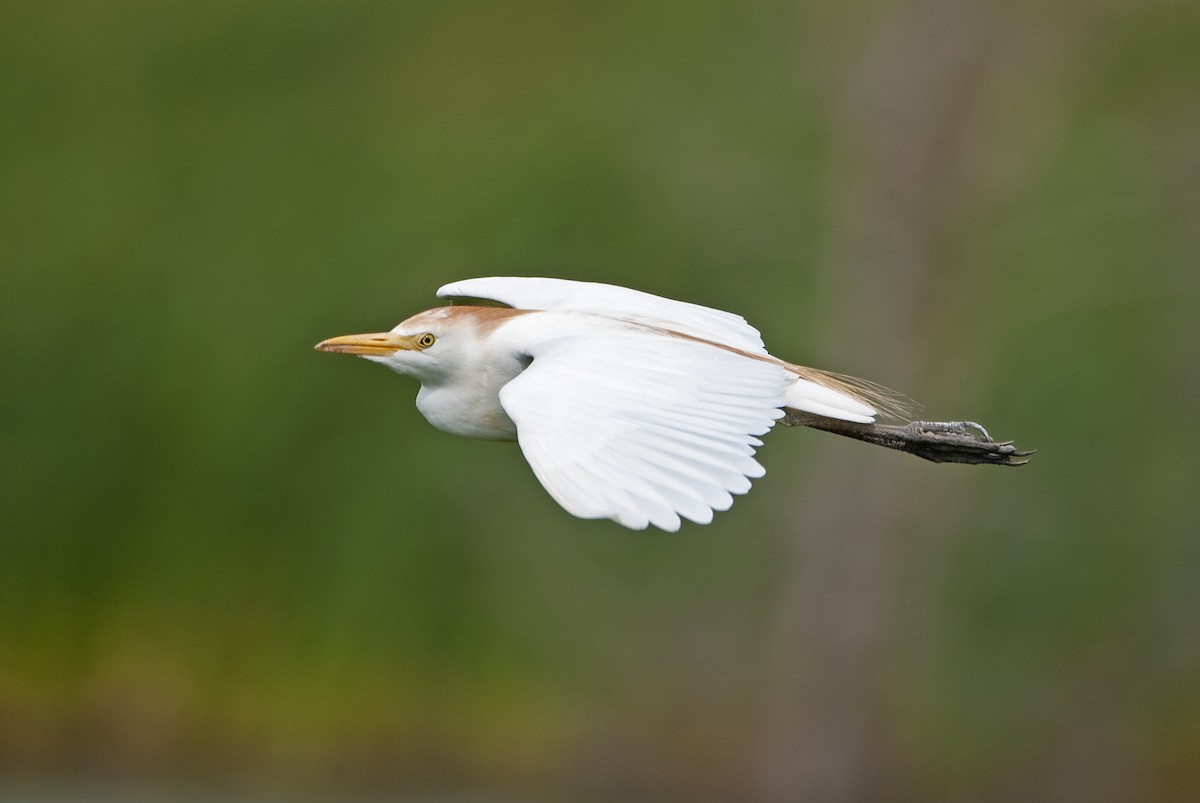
[627,405]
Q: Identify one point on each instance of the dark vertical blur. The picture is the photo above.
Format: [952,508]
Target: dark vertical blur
[234,568]
[897,127]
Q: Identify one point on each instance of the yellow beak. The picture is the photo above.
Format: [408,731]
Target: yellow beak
[378,344]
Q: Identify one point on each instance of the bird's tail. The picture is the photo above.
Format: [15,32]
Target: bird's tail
[844,397]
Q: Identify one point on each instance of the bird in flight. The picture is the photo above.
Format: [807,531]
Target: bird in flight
[629,406]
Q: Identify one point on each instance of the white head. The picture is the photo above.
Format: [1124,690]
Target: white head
[435,346]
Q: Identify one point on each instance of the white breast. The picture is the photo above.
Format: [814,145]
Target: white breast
[468,409]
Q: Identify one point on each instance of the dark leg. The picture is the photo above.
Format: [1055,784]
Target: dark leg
[938,441]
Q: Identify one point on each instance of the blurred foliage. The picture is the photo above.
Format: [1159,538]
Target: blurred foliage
[227,557]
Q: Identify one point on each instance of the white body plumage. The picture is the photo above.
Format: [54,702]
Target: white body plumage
[627,406]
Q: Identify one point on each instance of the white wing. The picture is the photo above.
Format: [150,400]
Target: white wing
[613,302]
[642,428]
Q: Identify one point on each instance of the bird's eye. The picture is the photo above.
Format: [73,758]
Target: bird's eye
[426,340]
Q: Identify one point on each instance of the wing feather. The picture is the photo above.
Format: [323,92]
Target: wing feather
[642,427]
[622,303]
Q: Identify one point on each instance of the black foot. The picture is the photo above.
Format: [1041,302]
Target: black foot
[960,442]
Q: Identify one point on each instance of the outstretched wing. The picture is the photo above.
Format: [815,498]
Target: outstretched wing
[611,301]
[642,428]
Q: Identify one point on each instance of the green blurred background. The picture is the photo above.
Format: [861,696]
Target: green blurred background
[231,567]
